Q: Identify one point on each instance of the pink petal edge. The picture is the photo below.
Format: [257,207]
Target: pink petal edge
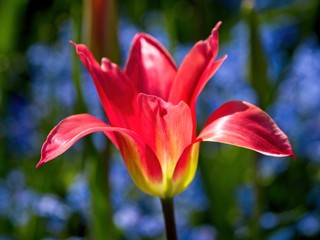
[110,82]
[245,125]
[72,128]
[150,67]
[166,128]
[196,69]
[67,132]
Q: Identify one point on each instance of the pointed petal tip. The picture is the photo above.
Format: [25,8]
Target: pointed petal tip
[39,163]
[79,47]
[214,36]
[75,45]
[223,58]
[216,27]
[138,37]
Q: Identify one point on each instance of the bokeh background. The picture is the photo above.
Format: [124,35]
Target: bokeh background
[273,49]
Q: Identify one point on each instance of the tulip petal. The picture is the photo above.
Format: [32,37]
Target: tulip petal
[196,69]
[167,129]
[111,82]
[186,167]
[245,125]
[150,66]
[141,162]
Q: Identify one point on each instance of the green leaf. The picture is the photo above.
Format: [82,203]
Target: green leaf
[223,168]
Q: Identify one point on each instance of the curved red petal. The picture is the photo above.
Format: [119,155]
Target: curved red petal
[67,132]
[196,69]
[111,82]
[150,66]
[141,162]
[186,167]
[245,125]
[166,128]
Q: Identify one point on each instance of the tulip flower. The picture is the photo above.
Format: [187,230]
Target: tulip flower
[151,110]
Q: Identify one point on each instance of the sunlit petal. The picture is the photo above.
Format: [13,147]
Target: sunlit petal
[141,162]
[186,167]
[245,125]
[196,69]
[167,129]
[150,66]
[111,82]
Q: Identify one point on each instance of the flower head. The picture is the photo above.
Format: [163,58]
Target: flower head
[151,108]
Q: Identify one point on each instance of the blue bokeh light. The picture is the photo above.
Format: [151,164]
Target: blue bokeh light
[309,224]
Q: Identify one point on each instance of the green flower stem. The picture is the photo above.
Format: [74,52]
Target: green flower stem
[98,172]
[169,220]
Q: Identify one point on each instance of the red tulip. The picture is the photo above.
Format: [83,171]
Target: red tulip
[150,106]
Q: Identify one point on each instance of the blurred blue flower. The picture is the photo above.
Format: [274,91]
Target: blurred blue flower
[269,167]
[20,128]
[51,87]
[54,210]
[278,38]
[286,233]
[15,180]
[261,5]
[246,198]
[4,199]
[16,201]
[155,21]
[204,232]
[191,200]
[151,226]
[296,109]
[269,220]
[126,32]
[128,218]
[78,196]
[51,77]
[50,67]
[120,181]
[309,224]
[21,209]
[52,207]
